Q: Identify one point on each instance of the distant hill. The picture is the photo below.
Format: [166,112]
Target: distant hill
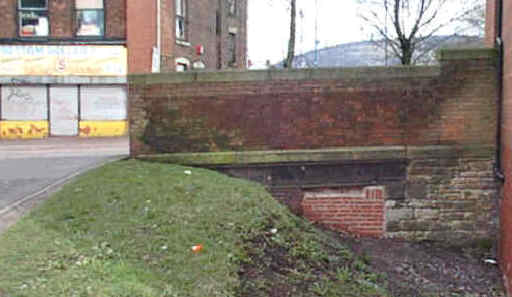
[370,53]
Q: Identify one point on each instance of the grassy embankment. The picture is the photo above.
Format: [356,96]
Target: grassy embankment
[127,229]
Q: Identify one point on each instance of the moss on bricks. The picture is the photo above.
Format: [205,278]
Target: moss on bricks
[289,156]
[234,157]
[467,54]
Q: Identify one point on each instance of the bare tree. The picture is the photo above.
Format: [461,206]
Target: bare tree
[291,6]
[476,17]
[406,25]
[291,41]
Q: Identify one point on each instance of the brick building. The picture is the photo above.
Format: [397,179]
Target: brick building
[192,34]
[499,34]
[63,63]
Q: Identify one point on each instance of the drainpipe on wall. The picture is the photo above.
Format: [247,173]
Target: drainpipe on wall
[158,24]
[155,67]
[499,45]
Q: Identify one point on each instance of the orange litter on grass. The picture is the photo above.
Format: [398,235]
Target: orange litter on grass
[197,248]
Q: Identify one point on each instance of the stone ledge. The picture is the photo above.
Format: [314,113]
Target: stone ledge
[348,73]
[440,151]
[290,156]
[346,154]
[359,73]
[467,54]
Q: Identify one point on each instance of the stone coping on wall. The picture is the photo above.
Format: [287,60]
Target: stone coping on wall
[466,54]
[287,74]
[65,79]
[355,73]
[346,154]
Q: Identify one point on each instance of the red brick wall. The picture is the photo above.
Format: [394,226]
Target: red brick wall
[8,19]
[202,30]
[140,31]
[115,15]
[62,16]
[439,193]
[491,22]
[141,35]
[168,35]
[357,210]
[506,203]
[230,22]
[443,118]
[379,107]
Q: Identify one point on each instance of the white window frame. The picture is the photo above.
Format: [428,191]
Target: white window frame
[182,62]
[232,50]
[35,11]
[101,14]
[181,19]
[232,9]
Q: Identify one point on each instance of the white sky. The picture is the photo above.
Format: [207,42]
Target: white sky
[268,27]
[338,22]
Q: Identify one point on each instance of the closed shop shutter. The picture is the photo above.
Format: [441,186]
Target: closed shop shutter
[103,103]
[24,103]
[64,110]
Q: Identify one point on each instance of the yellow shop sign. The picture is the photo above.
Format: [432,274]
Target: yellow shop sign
[63,60]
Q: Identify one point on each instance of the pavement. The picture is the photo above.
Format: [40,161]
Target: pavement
[30,170]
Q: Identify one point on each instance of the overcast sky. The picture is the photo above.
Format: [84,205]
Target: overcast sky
[269,32]
[338,22]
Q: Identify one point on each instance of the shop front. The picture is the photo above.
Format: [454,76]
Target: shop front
[62,91]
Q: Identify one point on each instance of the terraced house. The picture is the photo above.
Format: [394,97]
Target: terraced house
[63,63]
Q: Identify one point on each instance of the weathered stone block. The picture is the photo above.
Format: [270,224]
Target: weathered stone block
[425,204]
[418,226]
[417,190]
[426,214]
[395,215]
[396,190]
[393,227]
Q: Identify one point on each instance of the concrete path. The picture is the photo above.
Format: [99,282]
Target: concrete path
[31,169]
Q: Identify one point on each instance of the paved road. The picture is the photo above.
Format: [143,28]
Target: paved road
[29,168]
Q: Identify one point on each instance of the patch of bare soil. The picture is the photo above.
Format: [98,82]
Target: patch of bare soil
[430,269]
[341,265]
[302,262]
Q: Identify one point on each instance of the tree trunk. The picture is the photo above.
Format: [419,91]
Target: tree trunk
[291,42]
[407,52]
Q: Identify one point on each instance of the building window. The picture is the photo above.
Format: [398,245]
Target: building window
[33,18]
[232,49]
[232,7]
[218,23]
[90,18]
[198,65]
[181,29]
[182,64]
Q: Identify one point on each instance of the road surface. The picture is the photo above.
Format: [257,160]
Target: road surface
[30,169]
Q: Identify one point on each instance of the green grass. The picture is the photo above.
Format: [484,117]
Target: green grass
[127,230]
